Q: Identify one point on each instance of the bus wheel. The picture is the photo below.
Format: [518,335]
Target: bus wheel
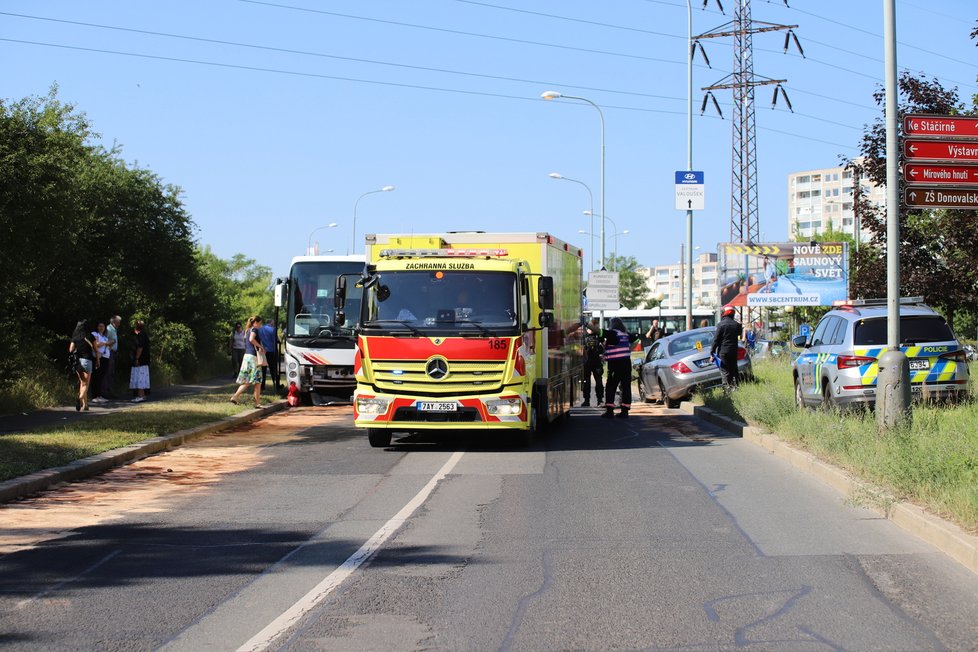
[379,437]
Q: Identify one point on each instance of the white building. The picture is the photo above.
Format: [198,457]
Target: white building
[819,197]
[669,282]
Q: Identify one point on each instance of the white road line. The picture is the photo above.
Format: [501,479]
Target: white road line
[24,603]
[264,639]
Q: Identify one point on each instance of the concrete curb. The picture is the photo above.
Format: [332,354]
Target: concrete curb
[89,466]
[943,535]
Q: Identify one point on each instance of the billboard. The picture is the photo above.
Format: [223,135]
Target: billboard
[783,274]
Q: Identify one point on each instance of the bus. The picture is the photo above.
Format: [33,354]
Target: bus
[318,355]
[671,320]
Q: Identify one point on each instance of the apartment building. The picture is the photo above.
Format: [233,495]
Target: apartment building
[669,282]
[818,198]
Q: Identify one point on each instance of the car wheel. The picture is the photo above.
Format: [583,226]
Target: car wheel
[799,396]
[670,403]
[379,437]
[642,394]
[828,402]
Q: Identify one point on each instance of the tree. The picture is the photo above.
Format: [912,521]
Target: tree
[633,291]
[936,246]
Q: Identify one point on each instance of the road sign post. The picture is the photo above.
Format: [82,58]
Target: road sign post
[940,163]
[690,191]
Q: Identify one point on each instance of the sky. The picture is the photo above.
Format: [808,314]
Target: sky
[276,117]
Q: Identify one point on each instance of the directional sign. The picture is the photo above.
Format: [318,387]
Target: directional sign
[940,197]
[947,126]
[602,291]
[938,173]
[690,190]
[941,150]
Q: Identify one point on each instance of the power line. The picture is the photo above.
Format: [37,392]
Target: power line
[295,73]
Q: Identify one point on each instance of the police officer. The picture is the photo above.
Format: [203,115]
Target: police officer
[593,366]
[725,346]
[617,353]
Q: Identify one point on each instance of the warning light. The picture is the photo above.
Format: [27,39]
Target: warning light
[439,275]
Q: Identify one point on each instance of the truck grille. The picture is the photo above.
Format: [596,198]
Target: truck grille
[463,415]
[464,377]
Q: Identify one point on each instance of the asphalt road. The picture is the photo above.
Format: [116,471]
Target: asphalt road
[652,533]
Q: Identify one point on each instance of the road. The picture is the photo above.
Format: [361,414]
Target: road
[653,533]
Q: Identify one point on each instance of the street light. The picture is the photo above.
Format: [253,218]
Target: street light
[560,177]
[553,95]
[309,250]
[369,192]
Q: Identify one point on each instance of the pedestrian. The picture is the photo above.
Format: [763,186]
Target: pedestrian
[268,336]
[139,375]
[102,354]
[83,347]
[250,374]
[593,366]
[654,332]
[111,356]
[725,347]
[617,353]
[237,343]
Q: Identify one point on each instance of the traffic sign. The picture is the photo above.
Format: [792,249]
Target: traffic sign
[602,291]
[941,150]
[690,190]
[940,197]
[947,126]
[938,173]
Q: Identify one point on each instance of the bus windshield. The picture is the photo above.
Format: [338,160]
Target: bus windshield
[446,302]
[310,307]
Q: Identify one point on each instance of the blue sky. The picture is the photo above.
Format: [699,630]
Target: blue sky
[274,117]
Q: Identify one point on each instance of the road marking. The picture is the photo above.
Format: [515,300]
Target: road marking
[24,603]
[264,639]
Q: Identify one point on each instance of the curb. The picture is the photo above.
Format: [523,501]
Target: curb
[943,535]
[89,466]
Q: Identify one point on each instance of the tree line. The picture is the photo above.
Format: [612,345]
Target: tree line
[83,234]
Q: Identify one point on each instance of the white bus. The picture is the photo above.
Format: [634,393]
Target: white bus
[318,355]
[671,320]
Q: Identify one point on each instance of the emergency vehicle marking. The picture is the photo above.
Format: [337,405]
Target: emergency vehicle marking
[453,348]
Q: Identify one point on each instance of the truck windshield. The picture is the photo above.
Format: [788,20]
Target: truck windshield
[443,301]
[311,286]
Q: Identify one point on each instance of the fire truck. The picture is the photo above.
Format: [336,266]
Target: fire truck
[465,330]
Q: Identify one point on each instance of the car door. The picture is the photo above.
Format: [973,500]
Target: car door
[649,372]
[809,362]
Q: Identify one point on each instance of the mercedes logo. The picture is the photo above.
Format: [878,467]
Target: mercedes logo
[437,368]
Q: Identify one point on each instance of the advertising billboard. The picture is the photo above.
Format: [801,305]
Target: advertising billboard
[783,274]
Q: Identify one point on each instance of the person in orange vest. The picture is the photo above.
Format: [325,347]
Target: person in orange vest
[617,353]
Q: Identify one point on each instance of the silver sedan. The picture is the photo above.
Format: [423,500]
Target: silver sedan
[679,364]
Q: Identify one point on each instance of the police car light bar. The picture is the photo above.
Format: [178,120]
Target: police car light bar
[876,302]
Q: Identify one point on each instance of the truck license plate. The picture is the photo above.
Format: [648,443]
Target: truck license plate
[919,364]
[435,406]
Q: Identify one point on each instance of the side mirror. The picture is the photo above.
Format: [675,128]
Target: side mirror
[546,319]
[545,292]
[339,318]
[281,293]
[800,341]
[339,296]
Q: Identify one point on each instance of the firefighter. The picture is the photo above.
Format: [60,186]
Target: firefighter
[725,346]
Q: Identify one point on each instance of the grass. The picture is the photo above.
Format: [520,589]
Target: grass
[23,453]
[932,461]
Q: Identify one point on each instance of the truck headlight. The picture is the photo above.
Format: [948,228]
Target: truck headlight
[504,407]
[372,405]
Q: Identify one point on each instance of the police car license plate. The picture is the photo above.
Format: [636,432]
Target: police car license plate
[437,406]
[919,364]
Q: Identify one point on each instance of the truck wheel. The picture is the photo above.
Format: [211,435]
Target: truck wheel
[379,437]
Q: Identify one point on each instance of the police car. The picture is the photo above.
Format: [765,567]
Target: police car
[838,365]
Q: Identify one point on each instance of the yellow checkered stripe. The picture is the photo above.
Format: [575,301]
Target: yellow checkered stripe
[941,369]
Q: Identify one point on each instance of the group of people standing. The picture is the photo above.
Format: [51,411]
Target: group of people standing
[613,346]
[254,352]
[95,351]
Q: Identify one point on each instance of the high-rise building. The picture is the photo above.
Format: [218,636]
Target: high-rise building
[669,282]
[817,198]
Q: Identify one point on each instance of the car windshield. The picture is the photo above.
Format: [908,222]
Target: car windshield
[688,343]
[915,329]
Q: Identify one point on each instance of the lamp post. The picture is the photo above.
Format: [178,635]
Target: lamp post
[553,95]
[357,203]
[309,249]
[560,177]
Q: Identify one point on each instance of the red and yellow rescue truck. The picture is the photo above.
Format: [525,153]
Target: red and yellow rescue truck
[466,330]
